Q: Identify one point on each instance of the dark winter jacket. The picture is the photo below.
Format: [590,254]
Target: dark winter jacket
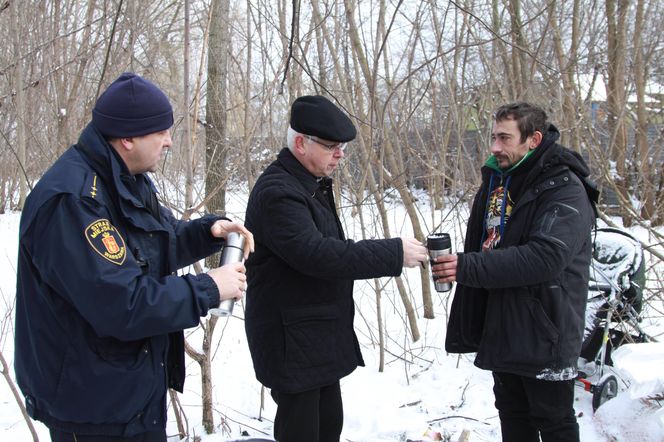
[299,303]
[99,314]
[521,305]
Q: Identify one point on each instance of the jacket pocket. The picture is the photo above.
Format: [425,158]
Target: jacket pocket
[531,338]
[96,391]
[310,335]
[125,354]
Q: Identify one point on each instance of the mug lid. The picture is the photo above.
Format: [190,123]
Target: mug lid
[234,239]
[439,240]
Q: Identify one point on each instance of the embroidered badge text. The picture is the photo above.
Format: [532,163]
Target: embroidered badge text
[107,241]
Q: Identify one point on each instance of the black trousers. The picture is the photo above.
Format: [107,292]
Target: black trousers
[311,416]
[63,436]
[530,408]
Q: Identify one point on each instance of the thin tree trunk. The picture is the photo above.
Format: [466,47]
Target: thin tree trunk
[203,358]
[216,144]
[248,135]
[499,57]
[567,64]
[216,170]
[646,180]
[180,418]
[519,79]
[17,397]
[19,105]
[189,148]
[396,171]
[616,14]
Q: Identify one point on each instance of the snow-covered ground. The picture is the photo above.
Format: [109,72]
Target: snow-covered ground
[423,393]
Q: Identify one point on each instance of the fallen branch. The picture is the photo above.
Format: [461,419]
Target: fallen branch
[456,417]
[410,404]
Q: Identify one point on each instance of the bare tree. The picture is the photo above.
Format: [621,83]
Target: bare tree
[650,186]
[19,102]
[616,14]
[216,106]
[567,60]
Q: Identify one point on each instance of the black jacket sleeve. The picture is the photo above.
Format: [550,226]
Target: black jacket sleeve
[560,226]
[290,231]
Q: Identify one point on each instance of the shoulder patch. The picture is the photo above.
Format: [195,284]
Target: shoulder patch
[107,241]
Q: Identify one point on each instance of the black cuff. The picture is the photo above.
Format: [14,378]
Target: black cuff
[211,289]
[206,223]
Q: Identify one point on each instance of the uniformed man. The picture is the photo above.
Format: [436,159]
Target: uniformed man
[99,309]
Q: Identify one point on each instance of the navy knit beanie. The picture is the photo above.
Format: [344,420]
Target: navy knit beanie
[130,107]
[316,115]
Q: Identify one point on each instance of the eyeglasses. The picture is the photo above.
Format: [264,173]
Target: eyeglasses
[330,147]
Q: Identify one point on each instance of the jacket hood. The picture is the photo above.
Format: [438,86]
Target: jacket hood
[558,155]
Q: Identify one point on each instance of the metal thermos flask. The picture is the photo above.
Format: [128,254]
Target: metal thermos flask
[439,244]
[233,251]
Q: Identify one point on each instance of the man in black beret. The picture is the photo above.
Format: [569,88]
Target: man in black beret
[99,308]
[299,307]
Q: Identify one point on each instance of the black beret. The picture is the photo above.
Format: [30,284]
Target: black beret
[317,116]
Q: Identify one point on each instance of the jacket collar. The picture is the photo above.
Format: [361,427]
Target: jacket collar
[131,190]
[295,168]
[108,164]
[100,154]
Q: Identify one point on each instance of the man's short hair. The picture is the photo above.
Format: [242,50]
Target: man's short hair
[290,138]
[529,117]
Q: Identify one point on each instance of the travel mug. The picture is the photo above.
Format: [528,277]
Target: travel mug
[439,244]
[233,251]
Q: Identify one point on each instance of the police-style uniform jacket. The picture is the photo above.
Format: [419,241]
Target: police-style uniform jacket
[99,312]
[521,305]
[299,302]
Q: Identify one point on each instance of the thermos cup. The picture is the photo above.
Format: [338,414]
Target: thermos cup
[439,244]
[233,251]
